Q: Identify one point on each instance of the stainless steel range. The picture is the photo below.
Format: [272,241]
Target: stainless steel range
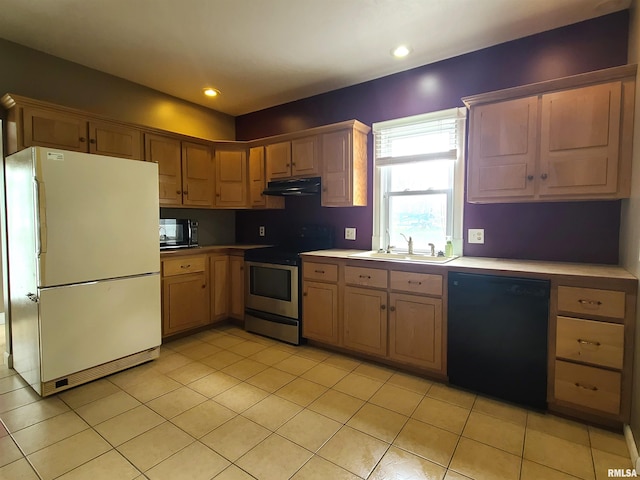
[273,284]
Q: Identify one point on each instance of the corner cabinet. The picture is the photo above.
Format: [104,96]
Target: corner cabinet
[564,139]
[258,182]
[230,177]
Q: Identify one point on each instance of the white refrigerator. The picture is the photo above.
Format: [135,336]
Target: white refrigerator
[84,263]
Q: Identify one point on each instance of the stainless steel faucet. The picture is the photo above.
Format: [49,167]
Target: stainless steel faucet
[389,246]
[433,249]
[409,243]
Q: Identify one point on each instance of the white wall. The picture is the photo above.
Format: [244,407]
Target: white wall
[630,220]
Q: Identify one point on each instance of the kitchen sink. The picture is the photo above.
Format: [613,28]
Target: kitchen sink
[414,257]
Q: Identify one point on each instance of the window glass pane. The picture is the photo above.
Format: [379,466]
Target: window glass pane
[436,174]
[425,143]
[423,217]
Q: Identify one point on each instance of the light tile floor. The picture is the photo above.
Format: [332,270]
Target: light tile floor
[227,404]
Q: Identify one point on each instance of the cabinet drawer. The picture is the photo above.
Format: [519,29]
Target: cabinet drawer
[366,277]
[588,386]
[590,341]
[180,266]
[320,271]
[416,283]
[591,301]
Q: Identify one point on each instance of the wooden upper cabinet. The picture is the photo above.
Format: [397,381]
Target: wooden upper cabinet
[258,182]
[502,146]
[580,140]
[115,140]
[305,159]
[49,128]
[278,160]
[344,168]
[46,127]
[564,139]
[197,175]
[166,152]
[230,178]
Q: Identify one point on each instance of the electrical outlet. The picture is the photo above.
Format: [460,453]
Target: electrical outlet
[349,233]
[476,235]
[261,230]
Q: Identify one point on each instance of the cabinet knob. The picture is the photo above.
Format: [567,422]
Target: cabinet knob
[178,192]
[383,307]
[241,268]
[304,294]
[217,194]
[287,165]
[529,177]
[543,176]
[293,164]
[204,286]
[93,140]
[82,139]
[392,308]
[324,189]
[185,192]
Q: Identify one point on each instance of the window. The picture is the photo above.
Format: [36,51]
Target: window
[419,178]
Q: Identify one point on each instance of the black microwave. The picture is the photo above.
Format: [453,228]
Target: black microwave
[178,233]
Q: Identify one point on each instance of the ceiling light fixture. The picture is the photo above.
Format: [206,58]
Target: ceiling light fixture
[211,92]
[401,51]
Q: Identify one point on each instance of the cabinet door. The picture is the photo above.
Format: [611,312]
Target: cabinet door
[258,182]
[185,301]
[278,160]
[165,151]
[415,330]
[197,175]
[305,160]
[580,136]
[365,320]
[502,150]
[320,312]
[115,140]
[336,168]
[48,128]
[236,273]
[231,178]
[219,276]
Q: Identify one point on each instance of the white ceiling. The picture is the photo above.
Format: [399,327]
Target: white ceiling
[261,53]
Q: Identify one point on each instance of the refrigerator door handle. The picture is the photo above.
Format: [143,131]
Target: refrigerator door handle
[41,217]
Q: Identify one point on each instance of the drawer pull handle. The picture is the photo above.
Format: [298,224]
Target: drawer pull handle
[589,302]
[586,387]
[319,271]
[588,342]
[368,277]
[185,266]
[413,281]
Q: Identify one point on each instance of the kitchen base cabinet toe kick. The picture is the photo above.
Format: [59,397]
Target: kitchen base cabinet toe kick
[400,314]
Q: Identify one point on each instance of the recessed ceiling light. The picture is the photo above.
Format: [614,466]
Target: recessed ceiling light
[401,51]
[211,92]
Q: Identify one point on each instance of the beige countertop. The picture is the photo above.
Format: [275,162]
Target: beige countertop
[204,249]
[493,264]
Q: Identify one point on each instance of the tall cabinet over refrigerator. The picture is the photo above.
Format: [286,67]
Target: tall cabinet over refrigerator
[84,265]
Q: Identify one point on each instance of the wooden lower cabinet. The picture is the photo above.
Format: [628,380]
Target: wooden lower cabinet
[219,280]
[185,302]
[320,312]
[236,282]
[415,330]
[365,320]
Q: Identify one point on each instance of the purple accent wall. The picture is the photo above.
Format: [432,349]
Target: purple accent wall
[574,232]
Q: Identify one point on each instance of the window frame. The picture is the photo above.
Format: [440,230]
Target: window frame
[455,194]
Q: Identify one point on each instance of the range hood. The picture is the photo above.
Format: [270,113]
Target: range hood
[293,187]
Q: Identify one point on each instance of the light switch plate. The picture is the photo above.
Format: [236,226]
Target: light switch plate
[476,235]
[261,230]
[350,233]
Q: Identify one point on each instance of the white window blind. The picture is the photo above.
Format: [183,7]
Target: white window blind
[418,138]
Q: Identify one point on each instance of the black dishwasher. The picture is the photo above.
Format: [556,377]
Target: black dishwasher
[497,336]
